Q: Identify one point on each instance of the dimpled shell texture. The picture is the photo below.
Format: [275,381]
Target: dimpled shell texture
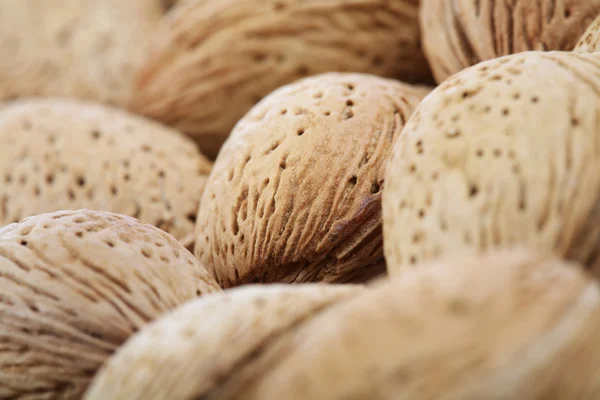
[73,286]
[461,33]
[212,60]
[505,326]
[192,351]
[87,49]
[295,194]
[505,153]
[590,41]
[63,154]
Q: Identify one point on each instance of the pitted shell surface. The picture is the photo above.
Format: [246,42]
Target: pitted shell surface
[74,285]
[65,154]
[295,194]
[212,60]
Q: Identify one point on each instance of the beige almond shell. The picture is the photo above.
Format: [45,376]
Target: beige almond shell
[590,41]
[74,285]
[503,154]
[295,194]
[65,154]
[461,33]
[212,60]
[190,352]
[85,49]
[506,326]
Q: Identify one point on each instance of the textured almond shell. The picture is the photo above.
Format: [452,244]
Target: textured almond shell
[590,41]
[63,154]
[212,60]
[461,33]
[191,351]
[86,49]
[295,194]
[504,327]
[73,287]
[504,154]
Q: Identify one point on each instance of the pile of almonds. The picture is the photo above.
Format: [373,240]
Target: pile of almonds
[299,199]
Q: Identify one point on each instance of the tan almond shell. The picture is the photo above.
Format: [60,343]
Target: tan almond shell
[506,326]
[503,154]
[85,49]
[74,285]
[65,154]
[461,33]
[590,41]
[295,194]
[212,60]
[191,351]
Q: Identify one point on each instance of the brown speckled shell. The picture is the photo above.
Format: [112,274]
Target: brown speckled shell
[188,353]
[590,41]
[212,60]
[295,194]
[88,49]
[461,33]
[74,286]
[506,326]
[504,154]
[63,154]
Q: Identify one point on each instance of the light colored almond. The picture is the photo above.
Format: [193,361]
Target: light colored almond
[86,49]
[295,194]
[503,154]
[63,154]
[212,60]
[74,285]
[192,351]
[590,41]
[461,33]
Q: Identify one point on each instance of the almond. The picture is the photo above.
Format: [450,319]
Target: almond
[79,48]
[509,325]
[590,41]
[295,194]
[74,285]
[503,154]
[212,60]
[64,154]
[190,352]
[458,33]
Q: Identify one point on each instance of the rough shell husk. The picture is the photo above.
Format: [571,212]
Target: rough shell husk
[505,326]
[212,60]
[295,194]
[461,33]
[63,154]
[74,48]
[504,154]
[74,285]
[191,351]
[590,41]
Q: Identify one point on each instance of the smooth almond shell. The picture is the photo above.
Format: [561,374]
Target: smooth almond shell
[503,154]
[461,33]
[74,285]
[191,351]
[295,194]
[64,154]
[212,60]
[74,48]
